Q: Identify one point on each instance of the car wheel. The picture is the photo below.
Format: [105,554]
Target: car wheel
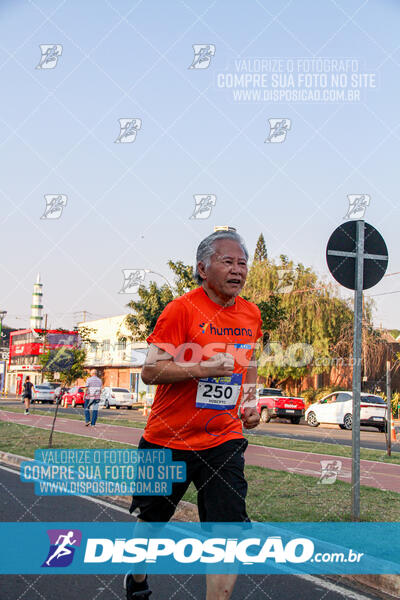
[342,426]
[383,428]
[347,421]
[312,419]
[73,404]
[117,406]
[295,420]
[129,407]
[106,404]
[265,418]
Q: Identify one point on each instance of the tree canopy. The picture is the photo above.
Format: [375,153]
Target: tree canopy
[309,321]
[260,252]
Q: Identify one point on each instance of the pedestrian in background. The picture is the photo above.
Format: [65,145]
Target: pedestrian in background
[27,394]
[92,397]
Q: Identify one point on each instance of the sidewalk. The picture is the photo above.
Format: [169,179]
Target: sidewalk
[373,474]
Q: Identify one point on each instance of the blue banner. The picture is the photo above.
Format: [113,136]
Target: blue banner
[252,548]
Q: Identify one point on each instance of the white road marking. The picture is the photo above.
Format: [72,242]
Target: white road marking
[334,587]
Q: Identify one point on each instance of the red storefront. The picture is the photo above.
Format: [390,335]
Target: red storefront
[26,347]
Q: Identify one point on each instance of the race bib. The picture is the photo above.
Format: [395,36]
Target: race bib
[220,393]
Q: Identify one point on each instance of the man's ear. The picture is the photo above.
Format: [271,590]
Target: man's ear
[201,270]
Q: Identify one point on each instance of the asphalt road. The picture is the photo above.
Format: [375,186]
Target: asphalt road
[370,437]
[18,502]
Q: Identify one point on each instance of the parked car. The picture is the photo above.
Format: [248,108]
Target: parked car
[116,396]
[272,403]
[338,408]
[74,397]
[43,392]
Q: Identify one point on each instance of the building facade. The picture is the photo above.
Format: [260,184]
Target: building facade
[26,348]
[118,361]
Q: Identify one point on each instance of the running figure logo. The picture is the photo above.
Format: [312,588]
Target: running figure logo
[62,547]
[128,130]
[286,280]
[202,56]
[357,206]
[54,206]
[133,278]
[278,129]
[330,469]
[203,205]
[50,55]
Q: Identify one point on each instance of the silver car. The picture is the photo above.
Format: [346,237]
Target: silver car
[43,392]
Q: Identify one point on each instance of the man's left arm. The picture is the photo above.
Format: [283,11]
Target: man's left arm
[248,408]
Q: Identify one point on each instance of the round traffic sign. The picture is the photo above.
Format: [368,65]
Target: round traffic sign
[341,255]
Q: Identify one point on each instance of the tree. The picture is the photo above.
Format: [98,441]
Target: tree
[375,350]
[305,322]
[154,299]
[68,362]
[185,277]
[152,302]
[260,253]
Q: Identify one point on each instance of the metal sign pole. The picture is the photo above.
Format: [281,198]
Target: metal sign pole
[357,345]
[389,409]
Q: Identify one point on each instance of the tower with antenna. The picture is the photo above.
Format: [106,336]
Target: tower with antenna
[36,321]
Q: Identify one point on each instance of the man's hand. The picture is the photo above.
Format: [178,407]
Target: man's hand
[250,417]
[219,365]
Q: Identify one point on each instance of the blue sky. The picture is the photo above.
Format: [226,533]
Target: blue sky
[128,205]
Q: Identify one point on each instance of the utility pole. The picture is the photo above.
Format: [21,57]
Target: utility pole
[389,408]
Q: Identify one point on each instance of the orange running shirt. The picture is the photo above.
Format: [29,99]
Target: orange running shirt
[198,414]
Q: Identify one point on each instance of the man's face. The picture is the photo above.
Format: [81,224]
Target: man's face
[226,274]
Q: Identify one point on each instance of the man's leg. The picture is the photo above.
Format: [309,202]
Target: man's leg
[94,415]
[220,586]
[158,508]
[86,411]
[222,490]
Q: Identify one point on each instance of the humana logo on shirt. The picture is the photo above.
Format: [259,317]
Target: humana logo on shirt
[224,330]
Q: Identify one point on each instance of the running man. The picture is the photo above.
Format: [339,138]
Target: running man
[27,394]
[62,549]
[92,398]
[201,357]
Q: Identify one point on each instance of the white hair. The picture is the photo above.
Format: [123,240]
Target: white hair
[207,248]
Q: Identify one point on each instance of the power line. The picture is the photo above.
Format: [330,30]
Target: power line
[383,294]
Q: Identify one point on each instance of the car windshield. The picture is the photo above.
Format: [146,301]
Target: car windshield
[43,387]
[271,392]
[120,390]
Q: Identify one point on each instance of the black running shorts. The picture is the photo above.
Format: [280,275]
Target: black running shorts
[218,475]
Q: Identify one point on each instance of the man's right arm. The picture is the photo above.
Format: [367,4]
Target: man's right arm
[161,367]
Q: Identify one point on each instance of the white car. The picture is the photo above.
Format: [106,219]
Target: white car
[116,396]
[338,408]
